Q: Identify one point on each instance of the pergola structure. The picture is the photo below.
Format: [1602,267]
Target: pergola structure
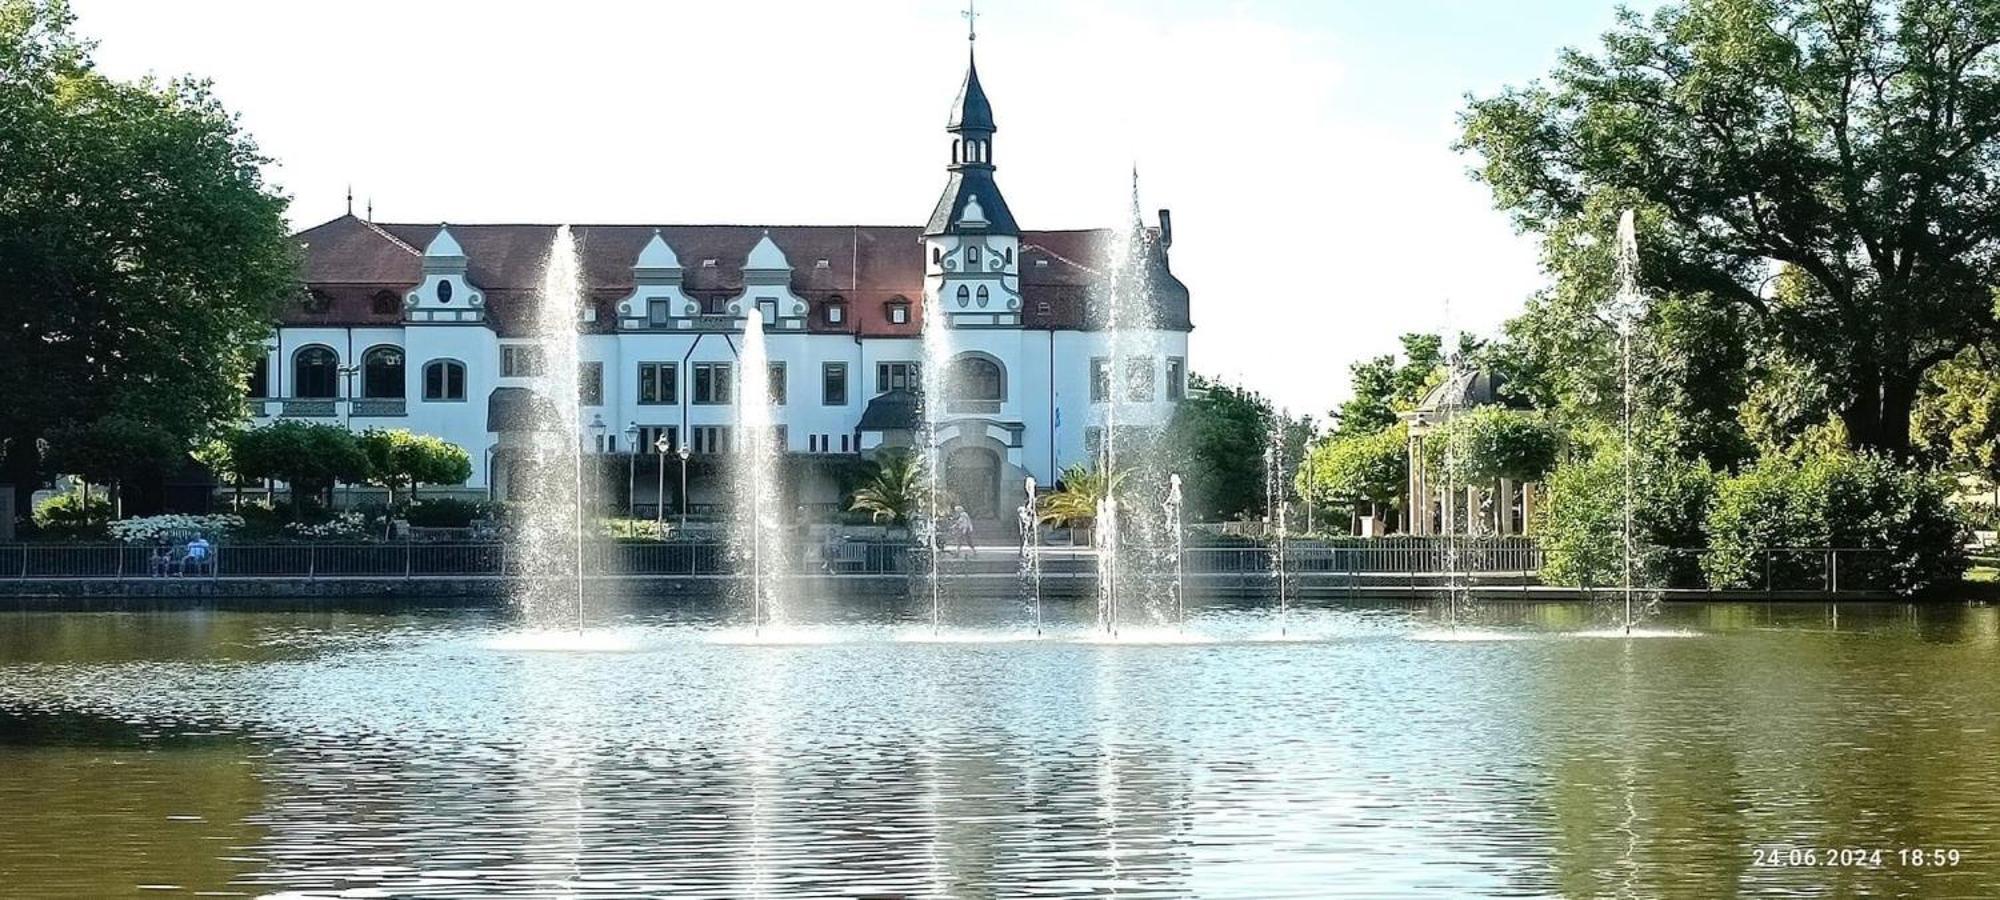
[1503,507]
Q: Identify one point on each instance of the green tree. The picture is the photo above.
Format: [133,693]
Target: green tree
[310,458]
[1691,358]
[1492,442]
[114,450]
[1356,471]
[1216,442]
[1958,417]
[1382,387]
[1857,141]
[142,255]
[892,493]
[401,461]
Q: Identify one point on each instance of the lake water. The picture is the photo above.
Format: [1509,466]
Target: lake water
[1371,753]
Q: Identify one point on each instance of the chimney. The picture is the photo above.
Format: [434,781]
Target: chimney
[1166,229]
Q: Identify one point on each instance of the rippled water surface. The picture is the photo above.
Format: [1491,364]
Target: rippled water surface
[1371,752]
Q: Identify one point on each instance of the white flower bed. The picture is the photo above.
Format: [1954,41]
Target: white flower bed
[164,529]
[346,525]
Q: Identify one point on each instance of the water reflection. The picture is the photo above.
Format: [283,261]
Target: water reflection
[415,756]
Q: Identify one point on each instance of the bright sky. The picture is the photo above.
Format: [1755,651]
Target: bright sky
[1304,147]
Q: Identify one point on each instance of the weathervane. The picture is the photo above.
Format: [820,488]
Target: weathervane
[971,14]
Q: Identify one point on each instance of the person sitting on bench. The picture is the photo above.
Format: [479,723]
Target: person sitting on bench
[197,558]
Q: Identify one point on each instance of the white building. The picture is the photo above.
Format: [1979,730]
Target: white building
[425,327]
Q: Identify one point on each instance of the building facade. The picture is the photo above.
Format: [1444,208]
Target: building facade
[427,327]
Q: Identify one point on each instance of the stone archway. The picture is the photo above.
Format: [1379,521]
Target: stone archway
[972,475]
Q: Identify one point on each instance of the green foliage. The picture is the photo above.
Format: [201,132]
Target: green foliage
[1582,523]
[892,494]
[1356,470]
[141,253]
[1216,442]
[1958,417]
[443,512]
[1834,498]
[310,458]
[1383,387]
[1079,491]
[401,460]
[114,448]
[1854,142]
[72,516]
[1489,443]
[1690,360]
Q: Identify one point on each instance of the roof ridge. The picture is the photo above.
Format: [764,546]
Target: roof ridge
[392,238]
[1066,260]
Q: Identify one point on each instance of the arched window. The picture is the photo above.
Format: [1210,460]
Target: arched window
[964,295]
[972,257]
[382,373]
[977,379]
[444,379]
[385,303]
[314,373]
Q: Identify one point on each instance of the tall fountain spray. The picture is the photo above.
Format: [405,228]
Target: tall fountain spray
[1129,426]
[1107,565]
[1172,507]
[1031,553]
[1274,498]
[1627,306]
[936,377]
[759,489]
[1457,589]
[550,536]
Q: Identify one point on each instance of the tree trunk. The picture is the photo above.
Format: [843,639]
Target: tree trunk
[1899,400]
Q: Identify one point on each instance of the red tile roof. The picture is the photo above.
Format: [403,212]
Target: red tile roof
[349,260]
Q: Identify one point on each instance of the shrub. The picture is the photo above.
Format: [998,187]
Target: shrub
[443,512]
[1835,498]
[168,528]
[345,526]
[1582,525]
[68,516]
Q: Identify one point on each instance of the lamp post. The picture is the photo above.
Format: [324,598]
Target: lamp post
[683,453]
[631,466]
[661,446]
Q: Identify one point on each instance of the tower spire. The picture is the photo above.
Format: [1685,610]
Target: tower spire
[971,188]
[350,198]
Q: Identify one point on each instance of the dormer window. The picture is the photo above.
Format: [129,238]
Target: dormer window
[444,291]
[836,311]
[385,303]
[899,312]
[317,301]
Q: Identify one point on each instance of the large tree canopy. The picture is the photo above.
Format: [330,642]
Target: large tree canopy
[1854,141]
[141,252]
